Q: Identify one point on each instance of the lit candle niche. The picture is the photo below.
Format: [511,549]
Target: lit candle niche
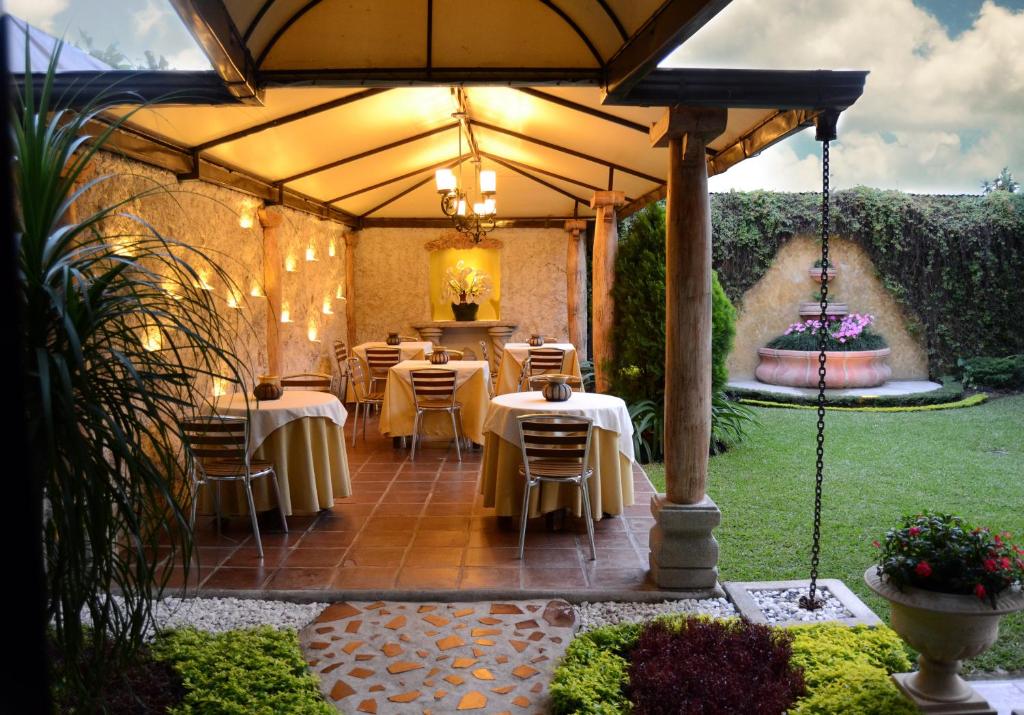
[152,339]
[310,253]
[289,264]
[220,387]
[286,315]
[312,331]
[170,288]
[332,248]
[328,309]
[204,279]
[234,300]
[339,294]
[256,291]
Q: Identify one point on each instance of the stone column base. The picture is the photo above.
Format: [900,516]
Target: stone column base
[684,554]
[973,705]
[432,335]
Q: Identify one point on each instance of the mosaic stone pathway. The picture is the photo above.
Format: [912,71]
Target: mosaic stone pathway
[399,657]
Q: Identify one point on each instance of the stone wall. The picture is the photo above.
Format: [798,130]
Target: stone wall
[772,304]
[392,280]
[207,217]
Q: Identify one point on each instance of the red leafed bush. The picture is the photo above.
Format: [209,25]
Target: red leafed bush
[703,667]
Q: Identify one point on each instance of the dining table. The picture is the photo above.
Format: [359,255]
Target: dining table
[472,380]
[407,350]
[611,456]
[515,355]
[302,435]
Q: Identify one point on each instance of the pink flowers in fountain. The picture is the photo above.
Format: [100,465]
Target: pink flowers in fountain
[842,330]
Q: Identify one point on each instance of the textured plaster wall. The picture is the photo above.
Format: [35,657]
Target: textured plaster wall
[392,280]
[769,307]
[207,217]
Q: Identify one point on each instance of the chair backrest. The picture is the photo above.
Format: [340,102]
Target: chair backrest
[380,360]
[546,360]
[358,376]
[467,353]
[217,438]
[559,438]
[315,381]
[433,384]
[341,355]
[537,382]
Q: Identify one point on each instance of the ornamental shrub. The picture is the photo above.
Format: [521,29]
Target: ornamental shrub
[704,667]
[851,332]
[1006,373]
[259,671]
[854,687]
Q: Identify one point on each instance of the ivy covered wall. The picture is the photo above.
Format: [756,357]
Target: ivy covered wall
[956,263]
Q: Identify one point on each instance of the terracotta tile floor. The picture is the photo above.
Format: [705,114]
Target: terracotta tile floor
[421,526]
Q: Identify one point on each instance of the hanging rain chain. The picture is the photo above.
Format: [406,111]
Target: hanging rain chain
[826,132]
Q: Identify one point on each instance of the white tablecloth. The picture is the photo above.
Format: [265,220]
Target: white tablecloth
[520,350]
[406,351]
[608,413]
[265,417]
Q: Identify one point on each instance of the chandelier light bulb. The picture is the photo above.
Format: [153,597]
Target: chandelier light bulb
[462,207]
[490,207]
[488,182]
[444,179]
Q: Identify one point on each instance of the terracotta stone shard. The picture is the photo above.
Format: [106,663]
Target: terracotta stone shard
[460,626]
[438,694]
[539,659]
[484,641]
[559,614]
[431,634]
[473,700]
[313,662]
[364,656]
[426,608]
[422,653]
[324,629]
[318,645]
[405,697]
[524,671]
[392,649]
[483,674]
[555,639]
[403,666]
[537,635]
[485,632]
[395,623]
[404,637]
[499,609]
[527,625]
[361,673]
[503,690]
[455,679]
[464,612]
[341,690]
[521,700]
[537,687]
[436,620]
[501,659]
[478,652]
[433,672]
[337,612]
[368,706]
[353,626]
[520,646]
[464,662]
[489,620]
[376,688]
[375,605]
[329,668]
[450,642]
[352,647]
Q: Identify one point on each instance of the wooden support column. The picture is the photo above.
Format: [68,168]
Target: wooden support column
[270,221]
[576,285]
[351,241]
[684,554]
[606,244]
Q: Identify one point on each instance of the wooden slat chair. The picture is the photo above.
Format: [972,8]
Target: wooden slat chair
[313,381]
[366,398]
[379,360]
[537,382]
[540,361]
[492,368]
[467,353]
[341,357]
[433,390]
[556,448]
[219,449]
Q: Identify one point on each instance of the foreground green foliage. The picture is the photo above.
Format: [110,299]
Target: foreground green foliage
[878,467]
[949,392]
[1006,373]
[249,672]
[846,670]
[953,261]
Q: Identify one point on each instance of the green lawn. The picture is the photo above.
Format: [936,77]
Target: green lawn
[879,466]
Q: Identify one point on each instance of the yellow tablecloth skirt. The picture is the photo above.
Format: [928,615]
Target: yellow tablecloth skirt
[510,369]
[398,412]
[312,470]
[611,487]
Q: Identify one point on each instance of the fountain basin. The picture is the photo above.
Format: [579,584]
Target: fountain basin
[799,368]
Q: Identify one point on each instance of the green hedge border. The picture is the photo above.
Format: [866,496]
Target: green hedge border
[951,391]
[959,404]
[846,669]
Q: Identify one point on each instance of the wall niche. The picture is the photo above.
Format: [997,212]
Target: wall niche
[485,258]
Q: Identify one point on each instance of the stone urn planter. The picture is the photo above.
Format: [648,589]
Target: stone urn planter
[815,273]
[811,310]
[844,369]
[944,628]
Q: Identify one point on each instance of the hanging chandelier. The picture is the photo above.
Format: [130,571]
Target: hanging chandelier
[474,218]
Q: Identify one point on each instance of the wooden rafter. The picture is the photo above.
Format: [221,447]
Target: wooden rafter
[520,222]
[584,109]
[575,28]
[407,175]
[537,179]
[409,189]
[547,172]
[614,18]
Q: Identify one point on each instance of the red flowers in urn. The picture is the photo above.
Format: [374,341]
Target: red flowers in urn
[940,552]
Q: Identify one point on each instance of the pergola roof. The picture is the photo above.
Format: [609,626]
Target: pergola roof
[344,107]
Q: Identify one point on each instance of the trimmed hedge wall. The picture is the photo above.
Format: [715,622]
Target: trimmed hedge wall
[955,262]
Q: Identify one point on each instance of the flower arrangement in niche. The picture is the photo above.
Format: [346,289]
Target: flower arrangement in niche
[466,283]
[851,332]
[942,553]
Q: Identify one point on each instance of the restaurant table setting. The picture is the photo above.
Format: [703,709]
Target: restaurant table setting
[511,366]
[408,350]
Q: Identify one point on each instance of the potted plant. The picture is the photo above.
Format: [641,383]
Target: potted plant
[855,355]
[948,585]
[469,285]
[815,271]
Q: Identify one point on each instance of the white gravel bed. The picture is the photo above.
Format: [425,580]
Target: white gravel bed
[780,606]
[608,613]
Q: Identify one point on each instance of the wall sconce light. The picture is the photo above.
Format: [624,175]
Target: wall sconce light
[310,253]
[289,264]
[256,291]
[204,277]
[247,215]
[153,339]
[123,247]
[220,387]
[339,294]
[312,332]
[332,249]
[171,289]
[234,300]
[286,314]
[328,309]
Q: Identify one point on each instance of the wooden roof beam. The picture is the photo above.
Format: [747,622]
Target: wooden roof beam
[215,31]
[407,175]
[537,179]
[584,109]
[547,172]
[410,189]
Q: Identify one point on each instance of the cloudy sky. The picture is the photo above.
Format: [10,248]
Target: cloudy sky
[943,108]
